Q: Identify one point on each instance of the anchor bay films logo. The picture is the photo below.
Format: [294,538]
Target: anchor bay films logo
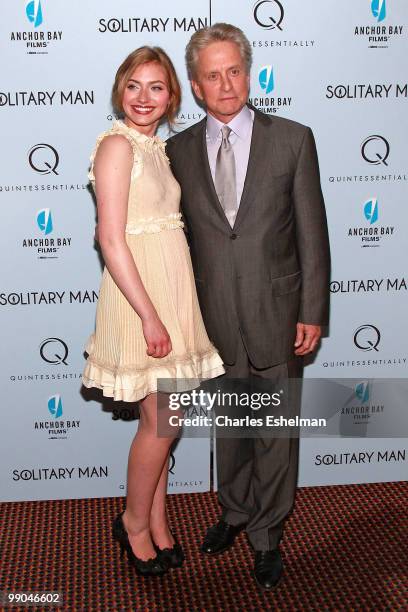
[362,391]
[56,426]
[269,102]
[35,39]
[372,234]
[34,12]
[46,247]
[379,32]
[360,408]
[269,20]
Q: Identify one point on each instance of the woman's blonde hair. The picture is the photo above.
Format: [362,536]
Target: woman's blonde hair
[145,55]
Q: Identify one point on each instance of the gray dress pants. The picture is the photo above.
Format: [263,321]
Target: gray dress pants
[257,476]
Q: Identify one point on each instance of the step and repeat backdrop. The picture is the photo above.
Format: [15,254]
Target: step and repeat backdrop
[337,67]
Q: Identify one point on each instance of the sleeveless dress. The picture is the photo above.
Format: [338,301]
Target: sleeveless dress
[117,360]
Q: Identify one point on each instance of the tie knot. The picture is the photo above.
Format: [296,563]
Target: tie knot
[226,131]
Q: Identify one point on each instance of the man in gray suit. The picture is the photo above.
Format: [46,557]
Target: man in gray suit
[255,216]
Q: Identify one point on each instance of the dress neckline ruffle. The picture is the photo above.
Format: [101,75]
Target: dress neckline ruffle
[138,136]
[147,143]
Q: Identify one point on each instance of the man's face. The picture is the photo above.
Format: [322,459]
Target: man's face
[222,82]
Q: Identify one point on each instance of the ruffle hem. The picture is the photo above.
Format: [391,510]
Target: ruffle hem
[130,384]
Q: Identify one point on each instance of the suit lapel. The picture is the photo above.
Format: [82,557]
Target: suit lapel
[257,165]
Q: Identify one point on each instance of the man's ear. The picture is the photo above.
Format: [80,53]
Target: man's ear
[197,89]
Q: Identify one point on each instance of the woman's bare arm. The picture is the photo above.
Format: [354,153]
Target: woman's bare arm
[112,170]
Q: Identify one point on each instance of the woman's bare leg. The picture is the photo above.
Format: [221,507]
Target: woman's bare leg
[159,526]
[147,458]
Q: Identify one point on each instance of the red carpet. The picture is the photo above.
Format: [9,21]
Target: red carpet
[345,549]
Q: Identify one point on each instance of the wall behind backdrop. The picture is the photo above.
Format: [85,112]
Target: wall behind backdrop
[337,67]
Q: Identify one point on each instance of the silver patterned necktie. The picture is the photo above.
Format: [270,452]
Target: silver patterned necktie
[225,177]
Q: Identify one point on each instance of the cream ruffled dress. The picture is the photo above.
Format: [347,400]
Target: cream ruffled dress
[117,361]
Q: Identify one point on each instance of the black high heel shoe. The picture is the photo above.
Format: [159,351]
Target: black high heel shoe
[172,557]
[152,567]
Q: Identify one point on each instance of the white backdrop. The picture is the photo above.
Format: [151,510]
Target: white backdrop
[336,67]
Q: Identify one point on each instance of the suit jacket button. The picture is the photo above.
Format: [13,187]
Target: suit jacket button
[233,236]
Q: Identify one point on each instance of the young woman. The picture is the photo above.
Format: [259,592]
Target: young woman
[148,321]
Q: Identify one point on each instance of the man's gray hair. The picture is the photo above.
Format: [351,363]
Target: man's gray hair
[219,32]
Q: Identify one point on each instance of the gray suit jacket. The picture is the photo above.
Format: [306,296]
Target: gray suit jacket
[272,268]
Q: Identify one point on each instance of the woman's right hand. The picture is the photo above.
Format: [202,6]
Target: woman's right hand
[156,336]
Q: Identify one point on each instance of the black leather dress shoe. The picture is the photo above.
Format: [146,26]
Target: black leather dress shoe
[268,568]
[219,538]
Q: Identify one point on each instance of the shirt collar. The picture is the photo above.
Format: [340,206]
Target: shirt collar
[240,125]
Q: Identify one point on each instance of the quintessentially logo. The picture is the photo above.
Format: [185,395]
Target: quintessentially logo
[371,210]
[172,463]
[378,9]
[44,221]
[54,351]
[43,158]
[266,79]
[55,406]
[34,12]
[367,337]
[269,14]
[375,150]
[362,391]
[184,118]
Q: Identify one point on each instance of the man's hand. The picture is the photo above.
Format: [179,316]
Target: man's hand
[307,338]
